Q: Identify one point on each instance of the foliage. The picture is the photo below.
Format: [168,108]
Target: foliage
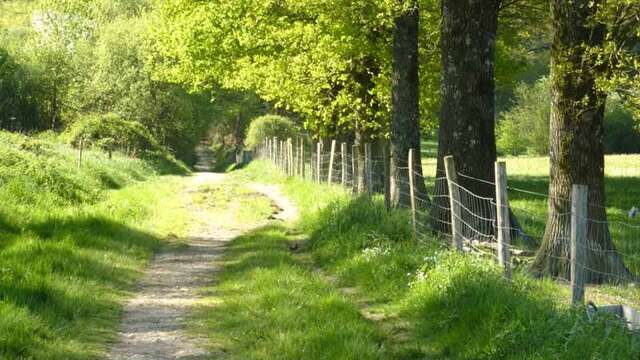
[74,58]
[616,58]
[268,127]
[111,132]
[524,127]
[18,109]
[622,128]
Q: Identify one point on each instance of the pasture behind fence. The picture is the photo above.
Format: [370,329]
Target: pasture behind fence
[455,216]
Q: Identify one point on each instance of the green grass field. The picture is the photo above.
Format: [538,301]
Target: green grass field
[73,242]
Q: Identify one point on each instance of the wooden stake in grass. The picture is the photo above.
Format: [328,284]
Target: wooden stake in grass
[331,160]
[290,170]
[302,158]
[412,193]
[387,174]
[354,163]
[454,202]
[343,161]
[80,150]
[502,220]
[368,168]
[274,158]
[579,210]
[319,161]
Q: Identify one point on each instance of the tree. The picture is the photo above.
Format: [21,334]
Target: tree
[577,143]
[467,115]
[405,115]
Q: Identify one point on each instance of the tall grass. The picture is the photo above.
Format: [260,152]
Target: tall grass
[444,305]
[73,241]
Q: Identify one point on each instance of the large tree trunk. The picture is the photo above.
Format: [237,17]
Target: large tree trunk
[405,119]
[467,116]
[576,145]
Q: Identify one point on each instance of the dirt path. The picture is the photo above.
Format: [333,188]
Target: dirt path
[153,325]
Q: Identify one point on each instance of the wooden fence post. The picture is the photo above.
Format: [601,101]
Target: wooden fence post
[284,157]
[331,159]
[280,154]
[293,159]
[312,167]
[368,168]
[302,157]
[503,222]
[275,151]
[387,174]
[292,166]
[294,156]
[454,202]
[412,193]
[319,161]
[354,164]
[579,210]
[80,150]
[343,161]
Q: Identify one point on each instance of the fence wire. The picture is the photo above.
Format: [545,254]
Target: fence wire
[612,247]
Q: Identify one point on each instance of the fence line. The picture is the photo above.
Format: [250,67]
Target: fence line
[454,215]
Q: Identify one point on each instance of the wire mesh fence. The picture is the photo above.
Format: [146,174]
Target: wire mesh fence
[568,245]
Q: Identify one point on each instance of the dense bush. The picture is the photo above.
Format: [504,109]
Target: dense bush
[19,109]
[524,128]
[622,136]
[269,126]
[109,132]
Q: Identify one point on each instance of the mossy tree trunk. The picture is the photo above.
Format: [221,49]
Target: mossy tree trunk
[405,119]
[577,146]
[467,116]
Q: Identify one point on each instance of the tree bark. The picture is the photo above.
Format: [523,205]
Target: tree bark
[364,72]
[467,115]
[577,147]
[405,118]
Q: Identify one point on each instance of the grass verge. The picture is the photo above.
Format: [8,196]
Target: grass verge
[429,303]
[268,304]
[73,242]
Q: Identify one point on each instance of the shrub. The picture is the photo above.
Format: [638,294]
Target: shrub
[524,128]
[110,132]
[621,135]
[269,126]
